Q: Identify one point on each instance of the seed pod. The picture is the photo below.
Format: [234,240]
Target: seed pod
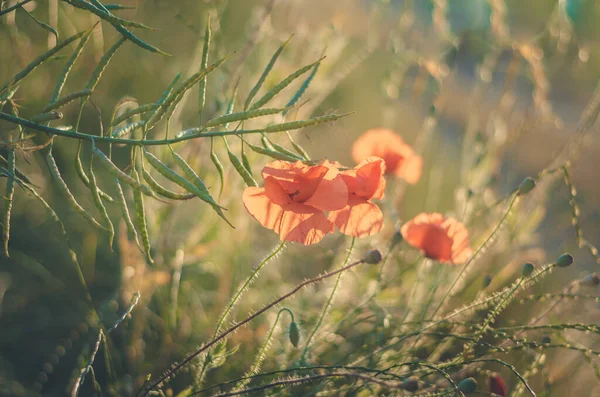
[99,205]
[82,175]
[130,113]
[281,85]
[10,190]
[239,167]
[140,216]
[373,257]
[564,260]
[265,73]
[218,166]
[178,93]
[126,129]
[245,161]
[397,238]
[526,186]
[189,172]
[528,269]
[120,175]
[241,116]
[204,65]
[298,148]
[67,99]
[303,87]
[273,153]
[294,125]
[283,150]
[125,213]
[44,117]
[64,190]
[184,183]
[68,66]
[161,190]
[467,385]
[294,334]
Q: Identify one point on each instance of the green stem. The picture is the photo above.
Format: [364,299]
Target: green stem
[124,141]
[476,254]
[328,304]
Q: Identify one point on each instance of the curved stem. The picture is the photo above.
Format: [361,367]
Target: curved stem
[476,254]
[176,367]
[328,304]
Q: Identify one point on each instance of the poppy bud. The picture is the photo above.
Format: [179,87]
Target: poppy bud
[546,340]
[411,384]
[528,269]
[294,333]
[497,385]
[564,260]
[397,238]
[487,280]
[467,385]
[373,257]
[526,186]
[591,280]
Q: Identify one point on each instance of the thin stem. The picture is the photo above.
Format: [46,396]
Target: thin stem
[237,297]
[18,5]
[476,254]
[222,335]
[328,304]
[124,141]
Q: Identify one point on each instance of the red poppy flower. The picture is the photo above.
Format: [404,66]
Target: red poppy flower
[361,217]
[497,385]
[400,159]
[439,238]
[294,197]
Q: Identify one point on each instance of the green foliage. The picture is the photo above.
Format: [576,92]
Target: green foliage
[169,301]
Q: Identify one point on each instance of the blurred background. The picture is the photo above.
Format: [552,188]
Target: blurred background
[496,86]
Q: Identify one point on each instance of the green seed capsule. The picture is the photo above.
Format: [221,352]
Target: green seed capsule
[128,128]
[294,334]
[283,150]
[120,175]
[218,166]
[204,65]
[468,385]
[64,189]
[100,206]
[140,215]
[246,162]
[130,113]
[10,190]
[241,116]
[82,175]
[189,172]
[125,213]
[184,183]
[273,153]
[565,260]
[158,188]
[239,167]
[45,117]
[526,186]
[294,125]
[67,99]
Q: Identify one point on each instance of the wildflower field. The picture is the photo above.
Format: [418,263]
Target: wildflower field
[299,198]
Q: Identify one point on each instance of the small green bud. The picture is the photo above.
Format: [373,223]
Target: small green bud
[373,257]
[411,384]
[470,193]
[294,334]
[546,340]
[526,186]
[487,280]
[528,268]
[467,385]
[564,260]
[397,238]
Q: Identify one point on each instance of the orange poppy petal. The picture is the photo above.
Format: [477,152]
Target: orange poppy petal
[375,142]
[292,221]
[331,193]
[360,218]
[439,238]
[303,224]
[411,169]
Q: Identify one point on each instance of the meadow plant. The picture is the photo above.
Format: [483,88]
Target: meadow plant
[405,265]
